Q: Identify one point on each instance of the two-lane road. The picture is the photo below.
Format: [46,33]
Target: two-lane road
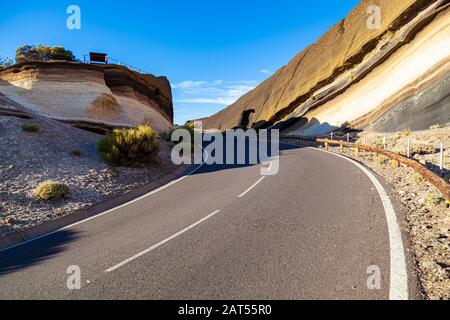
[224,232]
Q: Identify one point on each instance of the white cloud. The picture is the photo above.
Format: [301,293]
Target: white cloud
[188,84]
[222,101]
[266,71]
[214,92]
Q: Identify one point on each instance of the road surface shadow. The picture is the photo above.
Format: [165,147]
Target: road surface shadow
[35,252]
[209,168]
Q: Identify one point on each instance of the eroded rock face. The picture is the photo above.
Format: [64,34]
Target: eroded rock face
[97,94]
[353,74]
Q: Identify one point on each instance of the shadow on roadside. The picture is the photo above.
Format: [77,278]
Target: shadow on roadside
[35,252]
[247,163]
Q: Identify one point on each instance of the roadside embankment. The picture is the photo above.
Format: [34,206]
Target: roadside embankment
[40,149]
[425,211]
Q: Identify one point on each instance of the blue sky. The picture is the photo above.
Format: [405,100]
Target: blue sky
[212,51]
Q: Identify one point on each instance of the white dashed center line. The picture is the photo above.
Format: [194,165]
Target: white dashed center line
[140,254]
[252,187]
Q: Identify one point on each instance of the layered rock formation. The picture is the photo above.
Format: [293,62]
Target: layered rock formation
[384,79]
[87,95]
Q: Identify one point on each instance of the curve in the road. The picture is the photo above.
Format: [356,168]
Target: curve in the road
[399,274]
[302,222]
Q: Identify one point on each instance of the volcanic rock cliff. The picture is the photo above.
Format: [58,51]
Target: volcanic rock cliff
[88,96]
[384,79]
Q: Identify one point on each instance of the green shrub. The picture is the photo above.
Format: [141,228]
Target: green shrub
[422,149]
[433,199]
[435,127]
[404,133]
[31,128]
[416,149]
[395,163]
[188,128]
[43,53]
[130,147]
[51,190]
[377,142]
[76,153]
[417,177]
[381,160]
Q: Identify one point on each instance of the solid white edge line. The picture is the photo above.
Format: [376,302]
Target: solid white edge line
[398,272]
[140,254]
[106,212]
[251,188]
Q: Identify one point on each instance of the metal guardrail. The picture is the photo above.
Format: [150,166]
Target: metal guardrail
[110,60]
[440,184]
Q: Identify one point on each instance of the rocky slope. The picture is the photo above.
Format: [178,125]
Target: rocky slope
[91,96]
[387,79]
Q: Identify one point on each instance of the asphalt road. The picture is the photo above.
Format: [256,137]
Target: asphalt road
[224,232]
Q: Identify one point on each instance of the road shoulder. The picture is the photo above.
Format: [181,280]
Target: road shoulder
[415,285]
[23,236]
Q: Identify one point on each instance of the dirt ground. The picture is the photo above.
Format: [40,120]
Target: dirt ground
[28,159]
[424,146]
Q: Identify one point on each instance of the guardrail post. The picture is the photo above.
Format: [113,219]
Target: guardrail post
[326,145]
[365,138]
[397,160]
[385,142]
[332,136]
[348,137]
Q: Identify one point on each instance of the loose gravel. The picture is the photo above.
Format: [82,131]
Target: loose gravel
[28,159]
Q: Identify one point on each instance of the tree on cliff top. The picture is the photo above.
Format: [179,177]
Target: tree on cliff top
[43,53]
[5,62]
